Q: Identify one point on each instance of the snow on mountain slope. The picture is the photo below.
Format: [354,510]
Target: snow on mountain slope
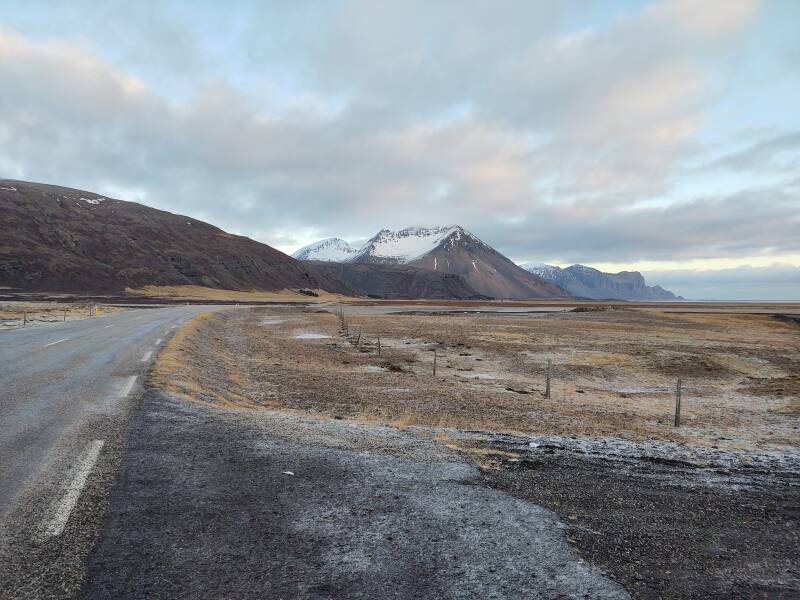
[406,245]
[542,270]
[329,250]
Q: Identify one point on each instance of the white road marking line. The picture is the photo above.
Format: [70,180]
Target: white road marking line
[107,326]
[147,356]
[56,342]
[129,386]
[64,508]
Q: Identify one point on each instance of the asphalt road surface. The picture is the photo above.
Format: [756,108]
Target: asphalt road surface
[65,391]
[108,490]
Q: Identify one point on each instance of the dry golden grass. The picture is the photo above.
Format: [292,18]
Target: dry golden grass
[176,370]
[613,373]
[52,311]
[196,292]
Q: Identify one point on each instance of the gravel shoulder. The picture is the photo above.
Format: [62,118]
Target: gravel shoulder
[212,502]
[665,525]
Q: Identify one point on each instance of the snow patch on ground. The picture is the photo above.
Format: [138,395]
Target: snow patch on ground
[373,369]
[311,335]
[270,322]
[93,200]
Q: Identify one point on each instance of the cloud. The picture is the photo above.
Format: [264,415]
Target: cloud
[541,136]
[765,154]
[778,281]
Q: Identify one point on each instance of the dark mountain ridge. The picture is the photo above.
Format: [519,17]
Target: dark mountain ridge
[399,281]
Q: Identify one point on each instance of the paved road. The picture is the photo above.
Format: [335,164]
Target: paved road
[52,378]
[64,389]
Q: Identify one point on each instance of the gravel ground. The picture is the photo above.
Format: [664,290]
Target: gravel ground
[230,504]
[666,524]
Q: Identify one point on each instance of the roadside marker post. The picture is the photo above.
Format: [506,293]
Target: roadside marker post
[65,314]
[434,362]
[678,391]
[379,345]
[24,318]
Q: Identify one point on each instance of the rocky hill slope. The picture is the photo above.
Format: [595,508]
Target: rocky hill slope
[399,281]
[586,282]
[60,239]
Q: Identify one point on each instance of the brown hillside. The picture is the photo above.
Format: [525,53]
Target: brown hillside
[60,239]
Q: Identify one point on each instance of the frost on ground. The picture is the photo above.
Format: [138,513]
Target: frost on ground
[311,335]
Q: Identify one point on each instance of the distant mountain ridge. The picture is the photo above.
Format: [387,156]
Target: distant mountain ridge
[586,282]
[451,250]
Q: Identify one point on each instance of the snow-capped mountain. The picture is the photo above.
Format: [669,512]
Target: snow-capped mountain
[409,244]
[330,250]
[451,250]
[586,282]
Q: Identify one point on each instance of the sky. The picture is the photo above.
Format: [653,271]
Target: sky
[658,136]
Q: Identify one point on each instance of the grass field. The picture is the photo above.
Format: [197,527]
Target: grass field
[613,371]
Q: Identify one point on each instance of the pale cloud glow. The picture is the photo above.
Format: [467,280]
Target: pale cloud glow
[698,264]
[659,136]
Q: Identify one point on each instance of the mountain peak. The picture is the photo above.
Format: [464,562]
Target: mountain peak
[409,244]
[330,249]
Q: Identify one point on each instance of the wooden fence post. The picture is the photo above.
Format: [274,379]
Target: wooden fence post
[547,380]
[434,362]
[678,403]
[24,318]
[379,345]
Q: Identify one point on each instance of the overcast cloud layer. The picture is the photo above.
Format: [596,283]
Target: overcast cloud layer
[660,134]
